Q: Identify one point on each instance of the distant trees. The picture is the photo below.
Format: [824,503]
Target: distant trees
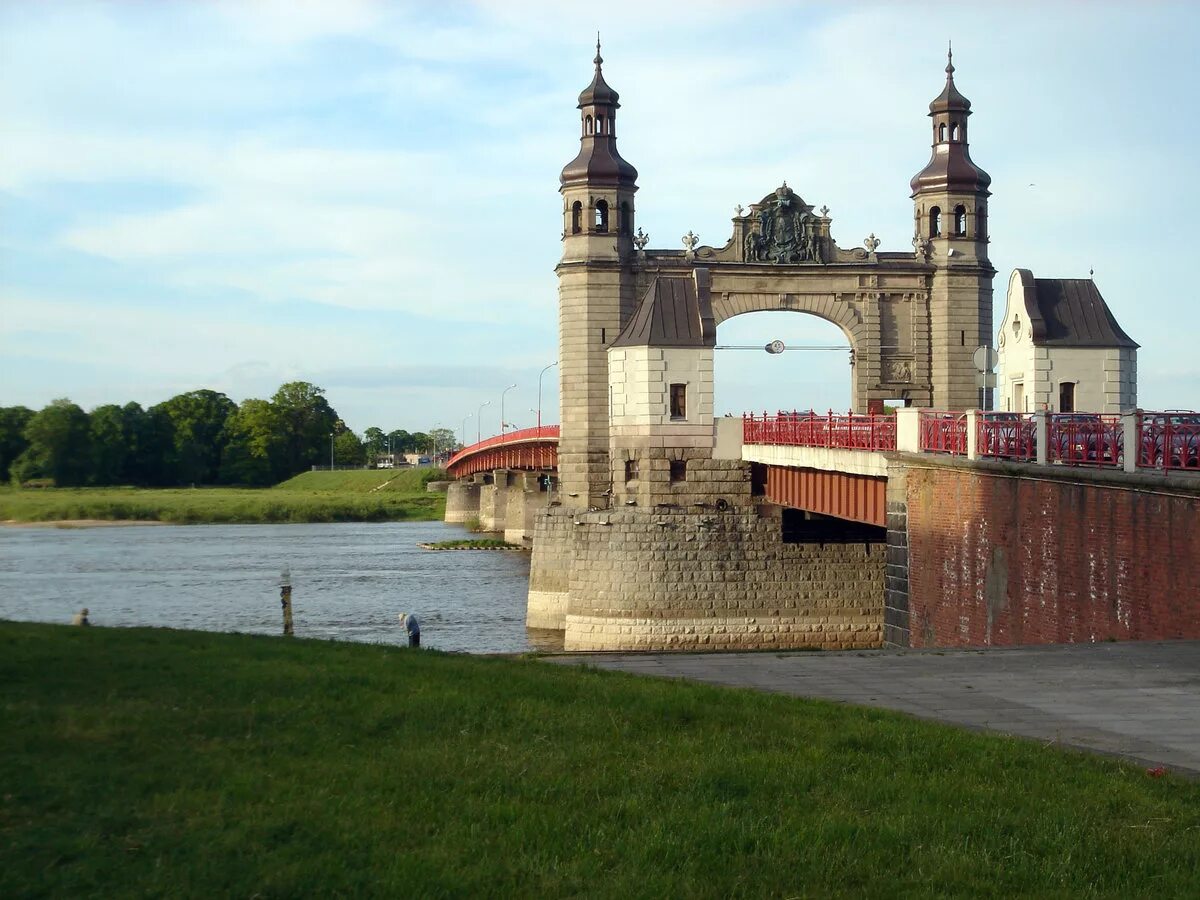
[198,437]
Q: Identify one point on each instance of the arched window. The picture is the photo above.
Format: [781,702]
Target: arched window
[626,219]
[576,217]
[954,131]
[960,221]
[587,125]
[935,222]
[942,132]
[981,223]
[602,215]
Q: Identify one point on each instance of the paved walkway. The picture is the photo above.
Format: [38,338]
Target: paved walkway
[1136,700]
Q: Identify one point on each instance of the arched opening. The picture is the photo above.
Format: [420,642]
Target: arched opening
[960,221]
[797,379]
[626,219]
[576,217]
[935,222]
[981,223]
[942,132]
[602,215]
[954,131]
[587,125]
[599,124]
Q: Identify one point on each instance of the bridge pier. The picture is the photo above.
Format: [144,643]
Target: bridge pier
[462,501]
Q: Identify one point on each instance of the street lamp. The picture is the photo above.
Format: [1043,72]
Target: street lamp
[331,434]
[502,393]
[540,374]
[479,420]
[464,428]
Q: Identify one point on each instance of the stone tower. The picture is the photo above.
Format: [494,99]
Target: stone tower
[950,227]
[596,292]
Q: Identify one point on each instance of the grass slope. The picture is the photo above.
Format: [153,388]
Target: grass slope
[346,497]
[151,763]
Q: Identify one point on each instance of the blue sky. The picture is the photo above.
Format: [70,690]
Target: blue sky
[364,195]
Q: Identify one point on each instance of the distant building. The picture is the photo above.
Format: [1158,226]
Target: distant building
[1061,349]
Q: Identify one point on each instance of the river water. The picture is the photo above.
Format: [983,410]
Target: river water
[350,581]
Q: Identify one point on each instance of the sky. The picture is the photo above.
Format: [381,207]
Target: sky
[365,195]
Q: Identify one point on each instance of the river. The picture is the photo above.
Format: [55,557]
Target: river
[350,580]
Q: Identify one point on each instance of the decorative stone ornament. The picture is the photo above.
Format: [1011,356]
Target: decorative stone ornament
[690,240]
[640,240]
[872,244]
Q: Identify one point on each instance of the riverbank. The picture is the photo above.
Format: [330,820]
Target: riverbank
[145,761]
[351,496]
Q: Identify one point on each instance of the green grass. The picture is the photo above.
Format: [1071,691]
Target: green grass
[336,497]
[154,763]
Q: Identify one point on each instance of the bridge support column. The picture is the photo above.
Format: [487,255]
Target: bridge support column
[462,501]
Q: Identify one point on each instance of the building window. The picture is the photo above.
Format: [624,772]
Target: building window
[954,131]
[602,215]
[679,401]
[942,132]
[576,217]
[1066,397]
[678,470]
[981,223]
[960,221]
[631,469]
[626,219]
[587,125]
[935,222]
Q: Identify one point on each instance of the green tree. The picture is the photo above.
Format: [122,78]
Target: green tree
[401,441]
[198,420]
[58,445]
[306,421]
[348,450]
[420,442]
[13,420]
[376,442]
[254,445]
[149,446]
[441,440]
[106,435]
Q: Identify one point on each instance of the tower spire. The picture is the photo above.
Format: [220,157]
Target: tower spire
[599,59]
[949,59]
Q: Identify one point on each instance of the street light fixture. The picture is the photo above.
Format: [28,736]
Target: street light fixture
[464,428]
[502,393]
[331,434]
[540,374]
[479,421]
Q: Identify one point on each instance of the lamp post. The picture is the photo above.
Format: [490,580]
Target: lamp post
[540,374]
[479,420]
[464,428]
[502,393]
[331,434]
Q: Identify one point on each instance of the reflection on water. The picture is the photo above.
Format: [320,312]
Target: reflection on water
[349,581]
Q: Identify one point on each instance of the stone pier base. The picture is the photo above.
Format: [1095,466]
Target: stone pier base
[675,580]
[462,501]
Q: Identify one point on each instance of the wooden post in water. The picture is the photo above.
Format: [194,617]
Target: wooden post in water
[285,600]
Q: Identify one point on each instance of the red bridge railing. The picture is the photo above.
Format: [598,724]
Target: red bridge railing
[1005,435]
[809,429]
[1085,439]
[1169,440]
[943,432]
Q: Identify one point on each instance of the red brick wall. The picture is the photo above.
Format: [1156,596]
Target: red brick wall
[999,560]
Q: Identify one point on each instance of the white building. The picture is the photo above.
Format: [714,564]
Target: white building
[1061,349]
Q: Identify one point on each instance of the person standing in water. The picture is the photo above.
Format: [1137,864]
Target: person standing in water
[413,627]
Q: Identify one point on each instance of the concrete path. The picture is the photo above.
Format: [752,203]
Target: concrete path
[1136,700]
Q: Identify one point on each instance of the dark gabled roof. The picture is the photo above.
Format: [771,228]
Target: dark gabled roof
[1075,315]
[675,312]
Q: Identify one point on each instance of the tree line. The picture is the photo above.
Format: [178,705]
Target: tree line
[199,437]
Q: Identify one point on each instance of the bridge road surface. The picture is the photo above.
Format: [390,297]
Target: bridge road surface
[1137,700]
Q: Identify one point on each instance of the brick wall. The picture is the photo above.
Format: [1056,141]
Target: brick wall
[1005,555]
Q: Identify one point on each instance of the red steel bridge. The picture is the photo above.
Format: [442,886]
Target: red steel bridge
[526,448]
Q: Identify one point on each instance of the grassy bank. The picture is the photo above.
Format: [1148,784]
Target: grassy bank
[357,496]
[143,762]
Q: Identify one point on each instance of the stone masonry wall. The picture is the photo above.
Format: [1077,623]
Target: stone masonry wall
[1002,555]
[641,580]
[550,568]
[462,501]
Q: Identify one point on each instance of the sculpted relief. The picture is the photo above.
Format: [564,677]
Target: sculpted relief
[784,231]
